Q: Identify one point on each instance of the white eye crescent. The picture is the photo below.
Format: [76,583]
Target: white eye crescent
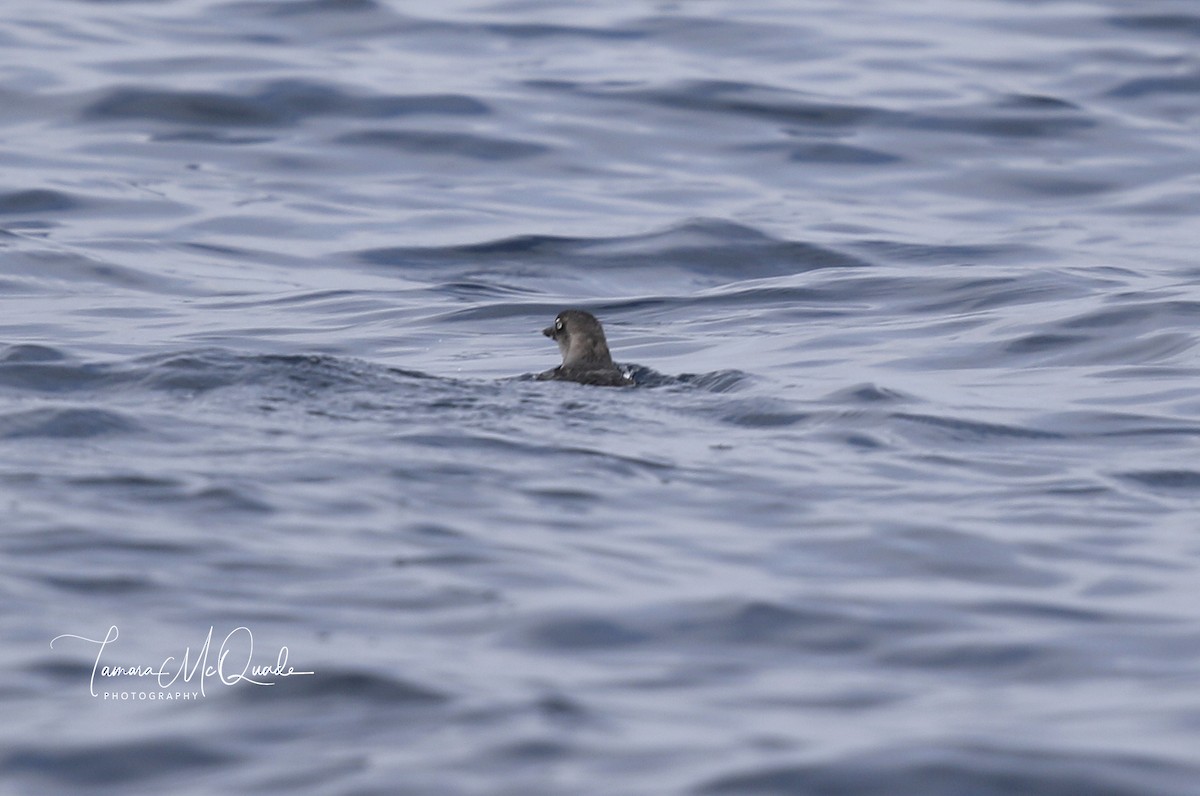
[558,324]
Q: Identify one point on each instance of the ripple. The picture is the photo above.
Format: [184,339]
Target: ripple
[520,31]
[304,7]
[718,381]
[441,142]
[725,97]
[963,430]
[347,685]
[955,555]
[1181,24]
[952,254]
[1001,122]
[1005,117]
[114,763]
[50,268]
[867,394]
[210,369]
[65,423]
[30,352]
[1167,480]
[50,376]
[1039,343]
[756,413]
[1097,348]
[988,771]
[68,540]
[278,104]
[1149,86]
[99,585]
[826,154]
[812,628]
[38,201]
[1153,315]
[211,137]
[703,247]
[583,633]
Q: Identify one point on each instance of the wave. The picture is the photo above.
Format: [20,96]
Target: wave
[279,103]
[711,248]
[947,768]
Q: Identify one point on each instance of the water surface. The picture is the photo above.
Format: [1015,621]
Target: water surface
[905,500]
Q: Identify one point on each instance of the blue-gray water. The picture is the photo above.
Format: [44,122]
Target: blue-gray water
[906,502]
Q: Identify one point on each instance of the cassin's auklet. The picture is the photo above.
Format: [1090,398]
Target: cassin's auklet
[584,350]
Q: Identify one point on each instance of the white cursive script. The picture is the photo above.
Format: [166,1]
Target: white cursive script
[237,648]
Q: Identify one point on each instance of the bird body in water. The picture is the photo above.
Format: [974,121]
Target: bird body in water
[586,359]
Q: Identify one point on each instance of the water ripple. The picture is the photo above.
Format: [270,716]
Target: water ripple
[951,769]
[65,423]
[115,763]
[277,104]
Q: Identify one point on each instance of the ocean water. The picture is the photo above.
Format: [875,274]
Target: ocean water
[906,498]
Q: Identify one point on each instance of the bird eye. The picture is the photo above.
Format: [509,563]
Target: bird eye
[558,324]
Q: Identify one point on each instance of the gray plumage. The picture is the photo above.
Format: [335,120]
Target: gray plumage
[586,359]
